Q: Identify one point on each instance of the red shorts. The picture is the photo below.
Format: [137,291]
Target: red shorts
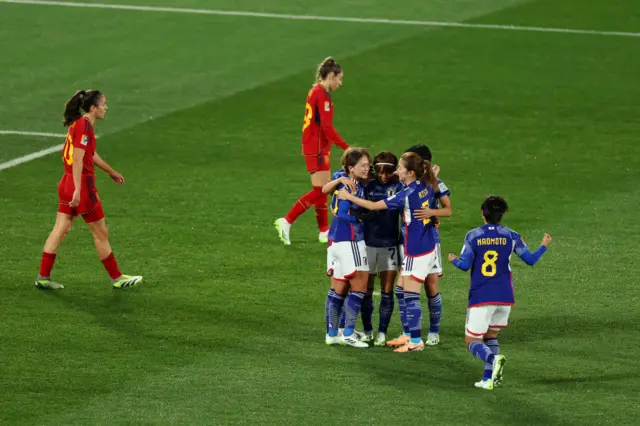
[318,163]
[90,207]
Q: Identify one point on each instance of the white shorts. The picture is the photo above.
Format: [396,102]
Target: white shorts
[437,265]
[329,261]
[418,267]
[347,257]
[480,319]
[383,259]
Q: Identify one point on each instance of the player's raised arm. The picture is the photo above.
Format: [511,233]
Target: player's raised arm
[527,257]
[331,186]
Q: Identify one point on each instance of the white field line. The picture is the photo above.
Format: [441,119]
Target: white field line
[33,155]
[323,18]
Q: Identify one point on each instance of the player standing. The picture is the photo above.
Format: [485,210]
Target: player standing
[318,135]
[442,204]
[487,251]
[77,191]
[348,257]
[419,244]
[382,237]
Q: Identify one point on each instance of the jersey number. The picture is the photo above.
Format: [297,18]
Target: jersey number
[489,267]
[308,115]
[425,205]
[67,151]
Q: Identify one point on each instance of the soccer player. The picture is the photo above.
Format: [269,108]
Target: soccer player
[487,251]
[77,191]
[381,235]
[348,258]
[442,204]
[318,135]
[419,244]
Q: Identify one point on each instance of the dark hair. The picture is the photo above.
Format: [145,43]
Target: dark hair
[422,168]
[80,103]
[422,150]
[493,208]
[351,157]
[326,67]
[385,161]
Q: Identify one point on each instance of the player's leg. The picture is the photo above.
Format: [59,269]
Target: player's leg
[402,306]
[312,198]
[498,321]
[412,288]
[434,299]
[95,221]
[388,272]
[477,326]
[434,302]
[61,228]
[354,256]
[367,302]
[333,308]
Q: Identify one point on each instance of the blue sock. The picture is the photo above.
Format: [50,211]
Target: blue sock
[386,310]
[402,306]
[343,318]
[335,306]
[435,312]
[367,311]
[414,315]
[352,310]
[481,351]
[493,345]
[327,303]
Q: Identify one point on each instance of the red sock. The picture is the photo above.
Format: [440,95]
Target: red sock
[111,266]
[321,213]
[46,264]
[303,203]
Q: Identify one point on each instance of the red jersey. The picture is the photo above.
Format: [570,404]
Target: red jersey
[80,135]
[318,133]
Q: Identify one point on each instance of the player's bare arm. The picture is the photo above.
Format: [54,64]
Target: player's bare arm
[445,211]
[78,156]
[103,165]
[331,186]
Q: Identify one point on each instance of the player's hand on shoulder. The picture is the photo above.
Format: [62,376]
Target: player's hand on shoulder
[436,169]
[344,194]
[349,183]
[117,177]
[546,240]
[452,257]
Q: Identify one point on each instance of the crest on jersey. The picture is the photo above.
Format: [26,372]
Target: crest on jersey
[85,140]
[391,192]
[327,105]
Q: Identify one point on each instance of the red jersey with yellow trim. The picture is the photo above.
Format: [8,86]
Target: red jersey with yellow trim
[318,133]
[80,135]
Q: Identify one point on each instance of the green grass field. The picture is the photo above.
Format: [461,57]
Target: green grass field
[204,123]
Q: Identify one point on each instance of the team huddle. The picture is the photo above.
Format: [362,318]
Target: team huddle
[385,225]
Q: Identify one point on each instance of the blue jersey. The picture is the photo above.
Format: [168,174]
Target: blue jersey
[345,226]
[443,191]
[384,228]
[487,251]
[418,234]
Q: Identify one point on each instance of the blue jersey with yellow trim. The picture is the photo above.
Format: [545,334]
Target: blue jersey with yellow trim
[418,234]
[487,251]
[345,226]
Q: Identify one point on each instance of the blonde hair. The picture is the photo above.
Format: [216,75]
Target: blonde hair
[326,67]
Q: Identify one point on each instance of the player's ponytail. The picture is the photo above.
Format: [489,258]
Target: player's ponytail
[80,103]
[326,67]
[429,177]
